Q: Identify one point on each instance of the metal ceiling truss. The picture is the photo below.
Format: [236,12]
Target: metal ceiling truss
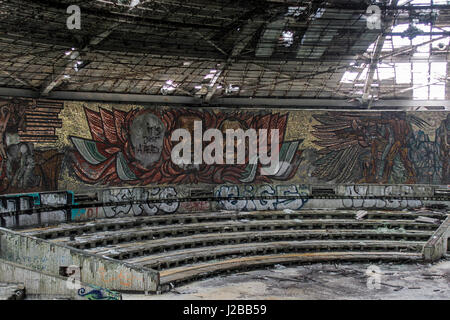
[231,102]
[266,50]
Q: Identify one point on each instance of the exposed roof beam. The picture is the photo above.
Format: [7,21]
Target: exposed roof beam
[329,103]
[362,5]
[375,58]
[62,71]
[26,83]
[129,15]
[403,50]
[65,69]
[269,38]
[229,101]
[373,65]
[436,33]
[307,82]
[211,43]
[247,33]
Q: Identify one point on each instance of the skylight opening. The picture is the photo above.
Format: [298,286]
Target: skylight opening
[131,3]
[438,71]
[403,73]
[349,77]
[363,75]
[420,72]
[295,11]
[420,2]
[437,91]
[420,93]
[169,87]
[385,72]
[398,41]
[288,38]
[440,45]
[318,14]
[232,89]
[134,3]
[429,80]
[423,78]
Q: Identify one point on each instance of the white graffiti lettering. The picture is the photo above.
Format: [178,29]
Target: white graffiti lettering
[262,204]
[361,191]
[140,194]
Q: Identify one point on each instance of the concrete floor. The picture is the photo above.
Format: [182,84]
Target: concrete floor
[321,281]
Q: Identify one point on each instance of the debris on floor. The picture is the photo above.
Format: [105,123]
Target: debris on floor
[361,214]
[327,281]
[427,220]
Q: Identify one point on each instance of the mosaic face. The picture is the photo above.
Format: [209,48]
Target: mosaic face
[147,136]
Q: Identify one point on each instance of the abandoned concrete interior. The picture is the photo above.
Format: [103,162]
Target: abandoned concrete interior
[350,98]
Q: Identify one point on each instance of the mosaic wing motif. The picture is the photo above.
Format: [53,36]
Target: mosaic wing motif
[104,158]
[345,138]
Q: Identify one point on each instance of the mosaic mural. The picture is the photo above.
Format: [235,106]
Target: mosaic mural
[135,148]
[48,145]
[23,123]
[375,147]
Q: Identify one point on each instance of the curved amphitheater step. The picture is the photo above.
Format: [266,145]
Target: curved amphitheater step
[106,232]
[66,230]
[137,249]
[183,257]
[185,247]
[180,275]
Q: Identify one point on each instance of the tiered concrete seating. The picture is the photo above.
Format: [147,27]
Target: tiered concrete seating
[185,247]
[180,275]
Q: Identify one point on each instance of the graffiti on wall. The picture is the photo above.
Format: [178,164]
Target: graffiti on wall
[361,191]
[195,206]
[10,205]
[261,191]
[37,261]
[131,194]
[123,278]
[135,148]
[23,168]
[380,147]
[98,293]
[142,208]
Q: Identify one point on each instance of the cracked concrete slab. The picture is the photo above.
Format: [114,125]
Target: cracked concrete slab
[325,281]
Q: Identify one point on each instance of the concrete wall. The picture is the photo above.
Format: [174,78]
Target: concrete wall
[389,197]
[437,246]
[10,206]
[385,197]
[138,201]
[123,152]
[40,285]
[48,258]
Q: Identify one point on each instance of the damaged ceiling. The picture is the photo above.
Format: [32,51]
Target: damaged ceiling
[216,50]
